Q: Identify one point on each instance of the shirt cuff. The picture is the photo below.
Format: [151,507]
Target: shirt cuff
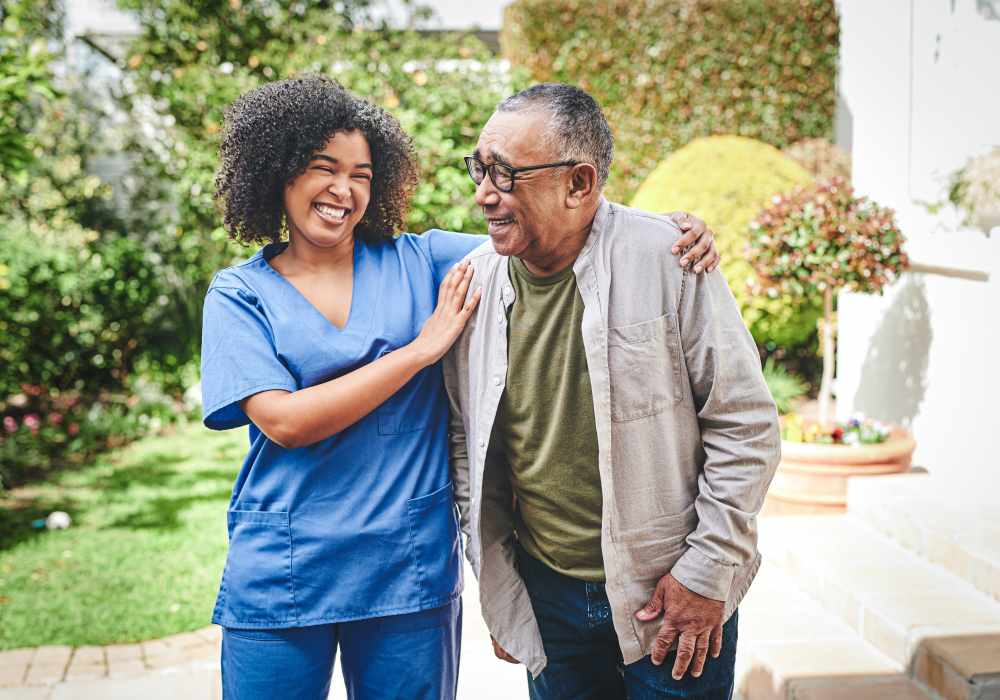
[704,576]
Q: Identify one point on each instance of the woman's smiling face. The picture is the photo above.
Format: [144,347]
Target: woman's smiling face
[326,202]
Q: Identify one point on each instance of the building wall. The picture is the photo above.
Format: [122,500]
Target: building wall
[920,94]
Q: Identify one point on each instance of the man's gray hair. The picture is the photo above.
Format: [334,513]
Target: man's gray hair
[577,128]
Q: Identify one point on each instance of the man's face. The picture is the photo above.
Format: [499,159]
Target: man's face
[526,222]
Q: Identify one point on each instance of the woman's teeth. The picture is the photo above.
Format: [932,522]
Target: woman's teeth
[331,213]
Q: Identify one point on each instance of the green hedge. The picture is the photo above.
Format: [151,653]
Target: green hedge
[669,71]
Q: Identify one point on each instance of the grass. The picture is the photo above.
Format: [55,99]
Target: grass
[143,556]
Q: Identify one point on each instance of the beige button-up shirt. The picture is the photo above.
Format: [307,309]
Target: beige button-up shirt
[687,431]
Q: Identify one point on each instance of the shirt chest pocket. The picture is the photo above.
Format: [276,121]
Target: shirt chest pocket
[644,360]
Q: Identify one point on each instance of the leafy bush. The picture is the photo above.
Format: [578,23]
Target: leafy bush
[822,159]
[822,239]
[726,180]
[25,79]
[784,386]
[191,62]
[669,71]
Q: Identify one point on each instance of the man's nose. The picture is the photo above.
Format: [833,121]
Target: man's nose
[486,193]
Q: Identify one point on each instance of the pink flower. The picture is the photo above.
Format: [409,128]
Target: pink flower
[32,422]
[55,418]
[73,429]
[9,424]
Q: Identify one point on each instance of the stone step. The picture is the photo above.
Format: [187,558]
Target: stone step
[953,524]
[938,627]
[790,649]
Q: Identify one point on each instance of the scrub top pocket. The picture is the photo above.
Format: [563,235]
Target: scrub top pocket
[410,408]
[436,545]
[257,581]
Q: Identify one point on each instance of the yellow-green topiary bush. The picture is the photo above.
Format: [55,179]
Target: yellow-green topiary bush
[727,180]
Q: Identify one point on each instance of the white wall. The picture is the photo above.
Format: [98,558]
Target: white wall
[920,88]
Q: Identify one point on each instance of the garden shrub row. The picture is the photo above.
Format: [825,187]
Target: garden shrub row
[669,71]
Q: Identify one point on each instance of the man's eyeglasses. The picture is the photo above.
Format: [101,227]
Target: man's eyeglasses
[503,176]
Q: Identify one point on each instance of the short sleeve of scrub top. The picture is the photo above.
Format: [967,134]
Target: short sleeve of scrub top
[445,249]
[238,356]
[360,524]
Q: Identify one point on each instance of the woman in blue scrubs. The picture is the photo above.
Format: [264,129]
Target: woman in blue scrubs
[342,529]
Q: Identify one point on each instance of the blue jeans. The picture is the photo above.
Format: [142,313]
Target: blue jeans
[403,657]
[584,660]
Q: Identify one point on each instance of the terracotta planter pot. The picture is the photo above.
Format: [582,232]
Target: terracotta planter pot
[813,478]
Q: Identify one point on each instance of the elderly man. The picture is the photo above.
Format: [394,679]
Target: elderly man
[612,435]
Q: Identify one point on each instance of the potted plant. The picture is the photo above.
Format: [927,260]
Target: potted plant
[975,189]
[819,241]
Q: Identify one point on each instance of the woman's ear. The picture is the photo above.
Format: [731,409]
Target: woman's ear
[582,184]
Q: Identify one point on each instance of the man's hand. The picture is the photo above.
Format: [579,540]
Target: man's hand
[697,243]
[502,654]
[696,620]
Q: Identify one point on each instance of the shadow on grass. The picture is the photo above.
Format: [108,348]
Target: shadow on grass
[163,512]
[17,516]
[155,490]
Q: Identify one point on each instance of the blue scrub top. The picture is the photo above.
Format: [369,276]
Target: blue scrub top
[361,524]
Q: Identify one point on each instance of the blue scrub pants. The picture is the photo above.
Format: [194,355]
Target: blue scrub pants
[403,657]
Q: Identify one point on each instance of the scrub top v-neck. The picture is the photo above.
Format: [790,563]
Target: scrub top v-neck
[361,524]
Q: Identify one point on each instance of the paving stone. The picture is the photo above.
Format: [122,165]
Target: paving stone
[211,634]
[14,666]
[87,662]
[123,652]
[44,674]
[25,693]
[195,685]
[126,668]
[52,655]
[186,640]
[876,689]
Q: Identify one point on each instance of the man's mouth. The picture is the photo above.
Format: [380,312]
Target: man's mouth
[331,213]
[497,222]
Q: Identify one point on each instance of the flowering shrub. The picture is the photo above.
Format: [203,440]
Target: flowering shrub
[42,431]
[856,431]
[976,190]
[823,239]
[822,159]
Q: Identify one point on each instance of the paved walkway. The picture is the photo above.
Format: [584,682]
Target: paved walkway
[187,666]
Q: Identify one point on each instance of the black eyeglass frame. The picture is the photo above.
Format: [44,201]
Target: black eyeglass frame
[491,168]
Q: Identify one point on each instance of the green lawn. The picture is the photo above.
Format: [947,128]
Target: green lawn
[145,552]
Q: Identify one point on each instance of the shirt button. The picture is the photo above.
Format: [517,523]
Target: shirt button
[482,444]
[496,381]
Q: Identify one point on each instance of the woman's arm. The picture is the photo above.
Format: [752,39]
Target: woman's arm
[299,418]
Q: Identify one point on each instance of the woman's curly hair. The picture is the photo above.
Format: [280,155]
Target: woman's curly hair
[272,132]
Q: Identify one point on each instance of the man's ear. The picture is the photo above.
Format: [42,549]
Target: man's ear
[582,185]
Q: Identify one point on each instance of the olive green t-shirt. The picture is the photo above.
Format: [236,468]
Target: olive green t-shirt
[545,426]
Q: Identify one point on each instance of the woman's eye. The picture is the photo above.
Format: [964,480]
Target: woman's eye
[364,176]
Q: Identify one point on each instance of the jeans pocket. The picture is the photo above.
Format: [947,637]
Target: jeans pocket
[644,360]
[436,544]
[258,576]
